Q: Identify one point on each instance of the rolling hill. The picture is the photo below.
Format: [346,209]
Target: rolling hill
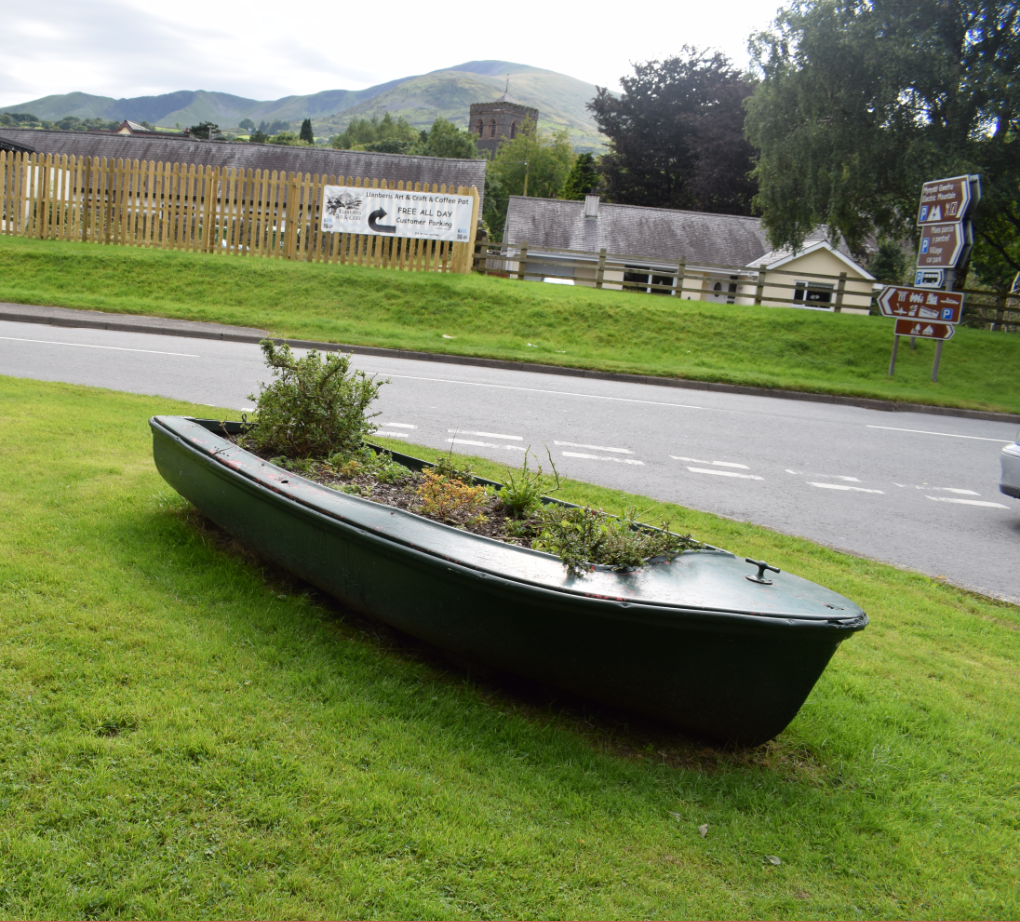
[420,99]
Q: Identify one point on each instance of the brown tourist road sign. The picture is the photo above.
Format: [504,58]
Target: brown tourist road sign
[944,200]
[941,245]
[920,304]
[925,329]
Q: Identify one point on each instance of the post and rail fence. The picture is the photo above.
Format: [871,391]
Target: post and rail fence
[225,210]
[206,209]
[989,309]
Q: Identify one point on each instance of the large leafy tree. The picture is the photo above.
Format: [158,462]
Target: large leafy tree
[583,178]
[676,135]
[386,135]
[861,101]
[541,159]
[444,139]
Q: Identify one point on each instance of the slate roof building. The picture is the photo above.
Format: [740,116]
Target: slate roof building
[722,253]
[248,156]
[15,148]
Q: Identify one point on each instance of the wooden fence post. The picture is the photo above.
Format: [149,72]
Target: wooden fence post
[681,271]
[1000,312]
[469,250]
[840,288]
[290,209]
[759,289]
[600,273]
[522,262]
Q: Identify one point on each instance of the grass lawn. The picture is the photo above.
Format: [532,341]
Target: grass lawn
[187,733]
[555,324]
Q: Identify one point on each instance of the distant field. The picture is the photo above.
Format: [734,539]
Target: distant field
[188,733]
[480,316]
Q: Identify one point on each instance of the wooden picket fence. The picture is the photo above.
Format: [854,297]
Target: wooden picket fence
[206,209]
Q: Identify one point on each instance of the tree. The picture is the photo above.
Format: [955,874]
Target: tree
[247,125]
[306,134]
[890,263]
[205,130]
[676,135]
[271,128]
[861,101]
[363,134]
[444,139]
[542,159]
[583,178]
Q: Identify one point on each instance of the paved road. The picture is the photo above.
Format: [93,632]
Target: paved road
[916,490]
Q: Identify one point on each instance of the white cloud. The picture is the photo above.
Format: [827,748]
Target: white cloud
[126,48]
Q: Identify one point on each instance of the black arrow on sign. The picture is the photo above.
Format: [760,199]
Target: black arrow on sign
[373,222]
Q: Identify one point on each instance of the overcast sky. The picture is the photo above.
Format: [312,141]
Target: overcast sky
[136,48]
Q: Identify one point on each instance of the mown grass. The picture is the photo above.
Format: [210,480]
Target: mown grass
[187,733]
[614,331]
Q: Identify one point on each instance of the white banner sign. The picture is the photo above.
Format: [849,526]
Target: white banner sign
[393,213]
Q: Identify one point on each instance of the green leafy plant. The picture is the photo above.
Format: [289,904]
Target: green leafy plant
[583,537]
[316,406]
[450,499]
[522,490]
[366,463]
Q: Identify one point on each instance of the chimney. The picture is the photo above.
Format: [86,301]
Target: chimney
[591,206]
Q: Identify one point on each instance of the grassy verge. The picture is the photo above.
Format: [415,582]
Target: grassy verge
[474,315]
[187,733]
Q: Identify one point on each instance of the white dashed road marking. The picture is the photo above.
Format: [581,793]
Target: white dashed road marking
[398,425]
[476,444]
[542,390]
[489,435]
[577,454]
[939,489]
[951,435]
[967,502]
[622,451]
[49,342]
[843,486]
[709,470]
[742,467]
[830,476]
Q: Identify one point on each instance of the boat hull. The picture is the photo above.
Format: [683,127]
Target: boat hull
[731,676]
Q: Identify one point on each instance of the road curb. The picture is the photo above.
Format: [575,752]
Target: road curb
[126,323]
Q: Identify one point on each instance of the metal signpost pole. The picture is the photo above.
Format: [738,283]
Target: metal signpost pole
[892,359]
[946,241]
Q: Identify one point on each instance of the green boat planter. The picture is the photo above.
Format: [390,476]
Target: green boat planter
[698,642]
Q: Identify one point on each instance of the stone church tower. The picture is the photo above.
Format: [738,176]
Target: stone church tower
[492,123]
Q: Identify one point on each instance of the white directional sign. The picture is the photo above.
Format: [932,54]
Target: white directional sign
[395,213]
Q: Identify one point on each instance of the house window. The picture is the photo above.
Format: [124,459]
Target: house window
[638,279]
[481,127]
[813,294]
[723,292]
[492,128]
[513,131]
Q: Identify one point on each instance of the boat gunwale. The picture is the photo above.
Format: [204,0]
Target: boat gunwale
[648,611]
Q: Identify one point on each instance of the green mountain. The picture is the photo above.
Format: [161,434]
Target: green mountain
[449,93]
[560,99]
